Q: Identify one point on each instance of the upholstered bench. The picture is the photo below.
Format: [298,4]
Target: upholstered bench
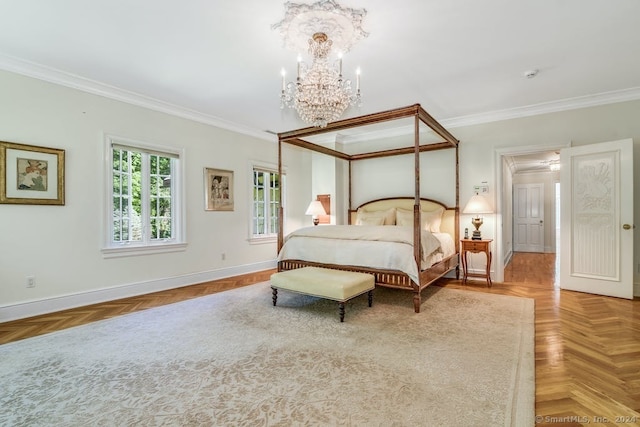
[337,285]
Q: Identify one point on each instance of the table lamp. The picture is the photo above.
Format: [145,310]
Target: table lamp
[315,208]
[477,205]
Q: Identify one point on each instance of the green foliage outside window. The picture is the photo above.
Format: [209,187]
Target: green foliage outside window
[129,194]
[266,191]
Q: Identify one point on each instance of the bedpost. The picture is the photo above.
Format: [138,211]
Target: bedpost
[457,197]
[280,208]
[416,204]
[457,214]
[417,301]
[350,202]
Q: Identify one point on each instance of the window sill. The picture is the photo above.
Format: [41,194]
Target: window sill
[263,240]
[128,250]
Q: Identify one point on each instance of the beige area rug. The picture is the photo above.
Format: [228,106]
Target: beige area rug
[232,359]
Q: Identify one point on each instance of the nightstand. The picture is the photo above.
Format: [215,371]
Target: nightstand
[476,246]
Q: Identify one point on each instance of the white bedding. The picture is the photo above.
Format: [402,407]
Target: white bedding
[384,247]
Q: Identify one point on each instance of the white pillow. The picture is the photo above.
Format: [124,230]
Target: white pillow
[388,216]
[404,217]
[373,220]
[430,220]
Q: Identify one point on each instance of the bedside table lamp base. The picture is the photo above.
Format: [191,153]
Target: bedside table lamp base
[477,222]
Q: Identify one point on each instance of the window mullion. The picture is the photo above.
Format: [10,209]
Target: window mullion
[145,198]
[267,202]
[175,214]
[129,174]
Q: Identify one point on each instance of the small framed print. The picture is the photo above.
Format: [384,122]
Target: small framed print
[218,190]
[31,175]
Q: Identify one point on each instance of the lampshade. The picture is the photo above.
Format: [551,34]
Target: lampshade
[315,208]
[478,205]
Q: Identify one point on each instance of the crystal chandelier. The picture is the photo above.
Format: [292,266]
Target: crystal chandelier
[320,94]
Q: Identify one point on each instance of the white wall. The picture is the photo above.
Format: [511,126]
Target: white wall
[394,176]
[323,180]
[60,245]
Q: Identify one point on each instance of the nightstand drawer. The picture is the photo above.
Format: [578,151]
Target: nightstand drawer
[475,246]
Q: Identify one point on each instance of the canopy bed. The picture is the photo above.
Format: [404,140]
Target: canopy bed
[420,247]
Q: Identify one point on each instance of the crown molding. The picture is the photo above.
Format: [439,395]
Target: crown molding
[594,100]
[52,75]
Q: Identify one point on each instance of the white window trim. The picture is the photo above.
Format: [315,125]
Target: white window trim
[179,243]
[258,240]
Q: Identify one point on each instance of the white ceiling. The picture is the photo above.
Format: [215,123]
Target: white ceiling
[219,61]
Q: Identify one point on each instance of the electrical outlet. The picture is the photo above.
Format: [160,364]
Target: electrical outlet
[223,256]
[31,281]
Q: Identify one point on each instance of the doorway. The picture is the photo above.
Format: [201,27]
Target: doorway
[524,161]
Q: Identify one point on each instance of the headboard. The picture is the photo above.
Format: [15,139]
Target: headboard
[448,224]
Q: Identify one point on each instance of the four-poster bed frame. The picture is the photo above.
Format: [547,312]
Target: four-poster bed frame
[387,278]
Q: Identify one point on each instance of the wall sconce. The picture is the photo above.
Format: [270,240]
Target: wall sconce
[477,205]
[315,209]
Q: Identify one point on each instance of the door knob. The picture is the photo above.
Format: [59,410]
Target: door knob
[628,227]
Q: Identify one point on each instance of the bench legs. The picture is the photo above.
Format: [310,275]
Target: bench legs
[274,298]
[341,310]
[341,305]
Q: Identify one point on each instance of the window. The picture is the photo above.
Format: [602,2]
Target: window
[266,196]
[144,200]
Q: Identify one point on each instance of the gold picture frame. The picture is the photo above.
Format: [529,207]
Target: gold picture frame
[218,190]
[31,175]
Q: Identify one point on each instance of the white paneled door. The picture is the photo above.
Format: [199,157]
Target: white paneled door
[596,213]
[528,217]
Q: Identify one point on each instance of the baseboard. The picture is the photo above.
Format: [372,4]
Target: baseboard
[64,302]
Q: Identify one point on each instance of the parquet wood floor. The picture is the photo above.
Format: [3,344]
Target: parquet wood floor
[587,347]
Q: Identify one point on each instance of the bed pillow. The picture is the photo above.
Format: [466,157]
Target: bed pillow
[388,216]
[404,217]
[373,220]
[430,220]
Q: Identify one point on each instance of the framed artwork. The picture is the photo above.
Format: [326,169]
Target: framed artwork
[218,190]
[31,175]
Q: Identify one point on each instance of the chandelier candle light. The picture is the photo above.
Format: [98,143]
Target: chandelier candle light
[320,94]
